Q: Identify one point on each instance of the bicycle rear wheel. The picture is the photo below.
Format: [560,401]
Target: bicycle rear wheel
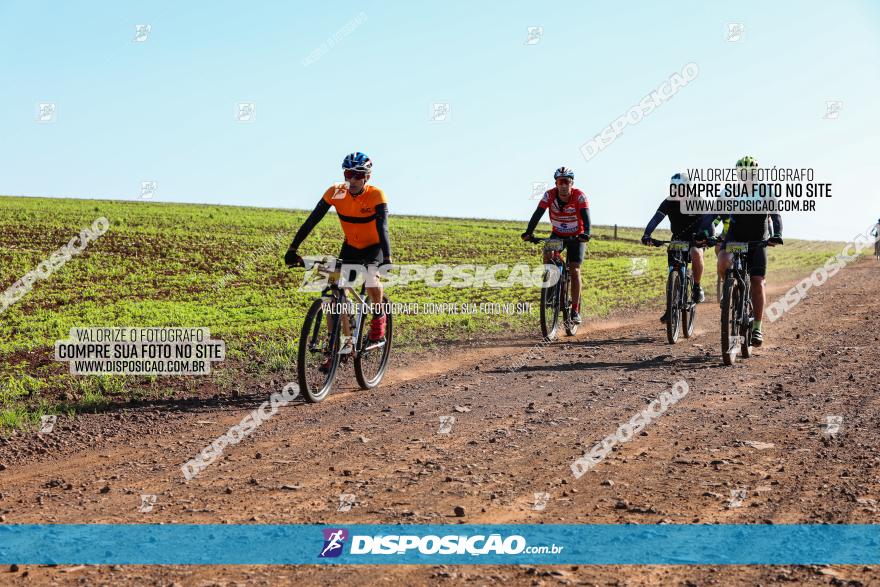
[570,327]
[747,315]
[729,320]
[689,308]
[318,341]
[550,307]
[372,357]
[673,307]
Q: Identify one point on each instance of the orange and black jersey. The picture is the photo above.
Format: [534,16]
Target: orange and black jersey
[357,214]
[364,217]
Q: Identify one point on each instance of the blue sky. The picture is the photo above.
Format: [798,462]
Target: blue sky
[164,109]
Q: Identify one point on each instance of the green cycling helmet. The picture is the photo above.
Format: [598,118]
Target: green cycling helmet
[747,162]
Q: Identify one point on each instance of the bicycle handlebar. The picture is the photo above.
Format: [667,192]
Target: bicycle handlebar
[711,241]
[538,240]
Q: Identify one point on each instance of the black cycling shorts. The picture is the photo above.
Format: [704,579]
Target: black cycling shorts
[756,260]
[574,250]
[371,255]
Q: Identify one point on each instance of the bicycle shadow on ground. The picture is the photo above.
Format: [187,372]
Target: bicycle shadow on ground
[225,402]
[613,342]
[652,363]
[660,361]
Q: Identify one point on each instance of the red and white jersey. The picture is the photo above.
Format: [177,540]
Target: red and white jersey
[565,219]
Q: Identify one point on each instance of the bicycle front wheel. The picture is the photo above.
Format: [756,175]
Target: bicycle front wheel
[317,359]
[372,357]
[550,306]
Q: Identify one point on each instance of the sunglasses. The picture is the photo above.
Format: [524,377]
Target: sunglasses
[349,174]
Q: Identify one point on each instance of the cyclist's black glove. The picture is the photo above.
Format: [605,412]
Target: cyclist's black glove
[647,240]
[774,240]
[292,258]
[702,237]
[527,236]
[584,237]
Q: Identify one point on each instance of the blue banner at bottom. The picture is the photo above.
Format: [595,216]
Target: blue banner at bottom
[465,544]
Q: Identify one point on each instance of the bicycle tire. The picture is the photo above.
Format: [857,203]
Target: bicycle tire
[362,377]
[673,310]
[570,327]
[689,311]
[311,329]
[550,308]
[729,322]
[746,323]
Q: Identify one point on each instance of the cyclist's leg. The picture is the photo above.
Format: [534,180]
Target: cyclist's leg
[371,257]
[756,260]
[697,264]
[574,256]
[697,271]
[725,260]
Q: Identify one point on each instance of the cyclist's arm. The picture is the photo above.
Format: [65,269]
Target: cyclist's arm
[776,219]
[658,217]
[585,217]
[533,221]
[725,227]
[707,224]
[382,229]
[314,218]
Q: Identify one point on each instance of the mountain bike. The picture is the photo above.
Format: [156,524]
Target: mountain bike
[335,331]
[737,313]
[555,298]
[681,311]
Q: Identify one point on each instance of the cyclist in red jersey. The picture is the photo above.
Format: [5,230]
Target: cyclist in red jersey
[569,218]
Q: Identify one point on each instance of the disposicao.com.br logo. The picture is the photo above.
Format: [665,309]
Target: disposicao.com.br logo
[412,544]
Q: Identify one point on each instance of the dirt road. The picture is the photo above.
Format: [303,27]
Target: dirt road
[746,445]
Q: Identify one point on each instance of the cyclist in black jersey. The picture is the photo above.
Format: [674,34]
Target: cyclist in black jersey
[752,227]
[685,227]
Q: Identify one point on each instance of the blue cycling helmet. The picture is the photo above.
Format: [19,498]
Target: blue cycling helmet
[357,162]
[564,172]
[680,179]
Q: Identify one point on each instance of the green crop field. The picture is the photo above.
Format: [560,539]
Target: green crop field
[221,267]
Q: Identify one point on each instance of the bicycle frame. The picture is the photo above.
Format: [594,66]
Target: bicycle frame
[560,297]
[680,261]
[738,272]
[680,308]
[564,277]
[336,294]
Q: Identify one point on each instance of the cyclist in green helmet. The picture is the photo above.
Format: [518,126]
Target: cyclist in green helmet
[752,227]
